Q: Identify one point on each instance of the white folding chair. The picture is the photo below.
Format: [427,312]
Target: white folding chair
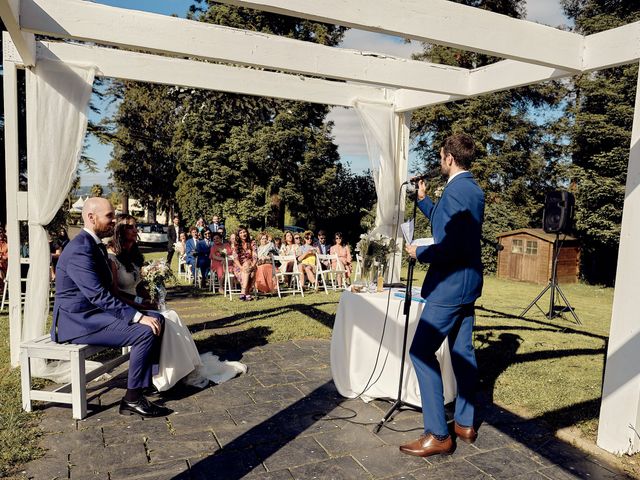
[322,271]
[294,276]
[358,273]
[5,290]
[231,284]
[184,271]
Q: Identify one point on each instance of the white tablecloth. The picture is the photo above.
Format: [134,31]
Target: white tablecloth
[354,346]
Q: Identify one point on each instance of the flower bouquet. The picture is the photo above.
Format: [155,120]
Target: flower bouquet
[155,275]
[374,250]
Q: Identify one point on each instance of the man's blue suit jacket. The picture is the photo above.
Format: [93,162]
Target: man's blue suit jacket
[455,270]
[191,250]
[84,303]
[203,250]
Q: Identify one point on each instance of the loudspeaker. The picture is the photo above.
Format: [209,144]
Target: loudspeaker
[558,212]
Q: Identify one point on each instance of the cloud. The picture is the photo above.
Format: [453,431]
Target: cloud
[548,12]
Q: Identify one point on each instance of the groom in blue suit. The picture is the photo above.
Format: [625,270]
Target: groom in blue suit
[85,311]
[451,287]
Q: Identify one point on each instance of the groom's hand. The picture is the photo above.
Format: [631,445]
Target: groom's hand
[152,323]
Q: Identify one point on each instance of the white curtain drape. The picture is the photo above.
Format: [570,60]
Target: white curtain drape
[384,133]
[57,99]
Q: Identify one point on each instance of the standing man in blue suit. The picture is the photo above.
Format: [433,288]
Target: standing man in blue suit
[85,311]
[451,287]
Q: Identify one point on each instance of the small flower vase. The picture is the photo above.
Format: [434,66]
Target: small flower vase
[381,270]
[161,297]
[367,278]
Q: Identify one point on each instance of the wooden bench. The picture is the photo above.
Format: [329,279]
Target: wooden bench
[74,393]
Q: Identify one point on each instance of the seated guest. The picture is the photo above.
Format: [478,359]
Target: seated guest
[265,281]
[244,260]
[277,242]
[307,258]
[191,251]
[204,263]
[288,248]
[4,256]
[181,246]
[323,247]
[200,225]
[344,257]
[221,231]
[217,254]
[86,312]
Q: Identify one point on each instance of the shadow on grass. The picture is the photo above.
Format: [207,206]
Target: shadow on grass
[241,318]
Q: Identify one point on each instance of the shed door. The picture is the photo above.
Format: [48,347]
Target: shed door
[524,260]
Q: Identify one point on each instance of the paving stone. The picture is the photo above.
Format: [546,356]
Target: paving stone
[57,419]
[134,432]
[238,437]
[102,460]
[176,447]
[234,464]
[173,470]
[455,469]
[268,379]
[48,467]
[194,422]
[285,393]
[342,441]
[255,414]
[320,374]
[278,475]
[531,476]
[183,405]
[299,451]
[400,431]
[303,361]
[579,469]
[73,441]
[490,438]
[315,343]
[504,462]
[387,460]
[342,468]
[556,452]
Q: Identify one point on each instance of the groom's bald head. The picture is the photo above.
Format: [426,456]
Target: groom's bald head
[98,216]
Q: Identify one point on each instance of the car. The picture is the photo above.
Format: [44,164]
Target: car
[294,228]
[152,233]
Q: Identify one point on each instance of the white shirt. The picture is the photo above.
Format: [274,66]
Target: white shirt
[455,175]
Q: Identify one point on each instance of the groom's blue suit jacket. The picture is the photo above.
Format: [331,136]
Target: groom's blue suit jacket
[83,301]
[455,270]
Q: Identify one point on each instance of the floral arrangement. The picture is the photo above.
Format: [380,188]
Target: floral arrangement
[375,247]
[156,274]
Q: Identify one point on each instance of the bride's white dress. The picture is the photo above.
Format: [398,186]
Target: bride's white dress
[179,357]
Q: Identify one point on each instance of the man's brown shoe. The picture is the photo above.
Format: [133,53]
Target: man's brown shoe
[428,445]
[466,434]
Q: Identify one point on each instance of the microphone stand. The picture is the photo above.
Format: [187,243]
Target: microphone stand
[407,309]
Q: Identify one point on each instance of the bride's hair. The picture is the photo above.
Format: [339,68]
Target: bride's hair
[128,258]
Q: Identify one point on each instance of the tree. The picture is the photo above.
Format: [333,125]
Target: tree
[143,164]
[97,190]
[600,135]
[519,157]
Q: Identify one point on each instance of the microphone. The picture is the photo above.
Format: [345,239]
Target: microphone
[416,179]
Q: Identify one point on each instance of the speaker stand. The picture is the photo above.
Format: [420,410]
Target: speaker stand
[554,287]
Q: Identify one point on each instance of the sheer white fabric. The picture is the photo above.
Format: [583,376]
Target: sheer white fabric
[383,133]
[57,99]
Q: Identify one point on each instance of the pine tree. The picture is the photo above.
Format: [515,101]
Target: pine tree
[600,136]
[519,156]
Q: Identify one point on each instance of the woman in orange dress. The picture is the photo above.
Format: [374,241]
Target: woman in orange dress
[265,281]
[244,261]
[344,257]
[216,254]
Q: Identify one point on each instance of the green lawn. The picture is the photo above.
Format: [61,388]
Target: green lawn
[536,368]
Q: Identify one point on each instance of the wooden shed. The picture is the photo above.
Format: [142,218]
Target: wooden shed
[528,256]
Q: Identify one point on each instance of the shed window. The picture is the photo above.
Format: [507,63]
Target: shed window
[532,247]
[516,246]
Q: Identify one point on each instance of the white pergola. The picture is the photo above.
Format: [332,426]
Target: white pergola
[199,55]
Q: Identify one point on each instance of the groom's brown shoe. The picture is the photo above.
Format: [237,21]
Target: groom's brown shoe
[466,434]
[428,445]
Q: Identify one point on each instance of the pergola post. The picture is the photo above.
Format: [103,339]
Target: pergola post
[403,139]
[10,85]
[619,426]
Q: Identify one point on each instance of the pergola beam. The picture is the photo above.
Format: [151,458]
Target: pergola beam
[24,42]
[145,67]
[87,21]
[613,47]
[441,22]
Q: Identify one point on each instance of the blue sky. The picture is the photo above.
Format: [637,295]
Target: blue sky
[347,130]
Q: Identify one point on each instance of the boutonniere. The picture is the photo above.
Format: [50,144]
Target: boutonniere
[438,192]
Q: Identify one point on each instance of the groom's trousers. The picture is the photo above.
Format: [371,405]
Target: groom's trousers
[438,322]
[145,347]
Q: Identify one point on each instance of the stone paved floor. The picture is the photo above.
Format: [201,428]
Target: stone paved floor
[272,423]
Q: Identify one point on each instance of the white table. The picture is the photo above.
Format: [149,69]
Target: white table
[354,347]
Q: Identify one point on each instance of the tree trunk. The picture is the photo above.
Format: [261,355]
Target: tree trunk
[125,202]
[276,215]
